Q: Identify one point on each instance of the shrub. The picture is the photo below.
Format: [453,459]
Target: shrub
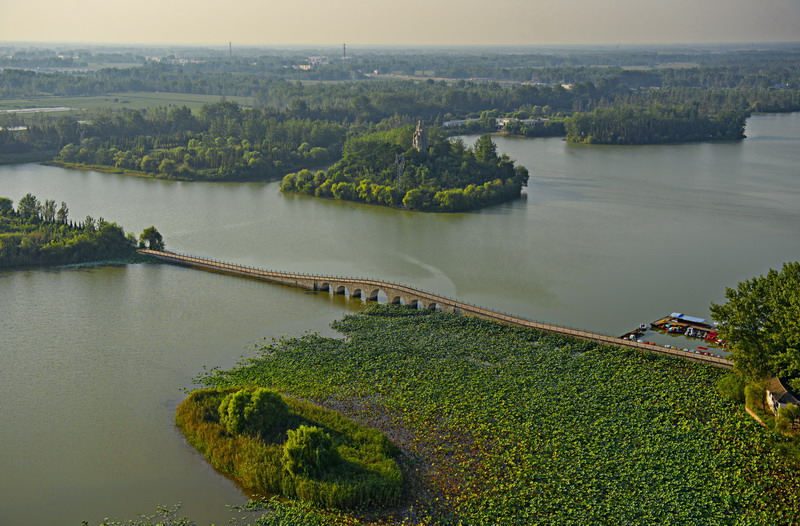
[731,386]
[309,452]
[258,412]
[787,416]
[754,395]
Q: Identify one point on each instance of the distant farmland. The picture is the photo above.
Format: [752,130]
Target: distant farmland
[132,100]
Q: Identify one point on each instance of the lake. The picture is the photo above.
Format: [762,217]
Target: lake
[93,359]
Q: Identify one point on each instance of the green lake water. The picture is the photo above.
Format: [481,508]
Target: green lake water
[92,359]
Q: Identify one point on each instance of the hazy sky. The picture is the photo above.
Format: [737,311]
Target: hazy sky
[404,22]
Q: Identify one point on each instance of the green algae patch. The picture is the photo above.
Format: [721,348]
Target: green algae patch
[274,444]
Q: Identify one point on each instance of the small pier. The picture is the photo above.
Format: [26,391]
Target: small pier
[683,326]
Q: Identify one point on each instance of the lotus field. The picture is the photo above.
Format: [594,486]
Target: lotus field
[500,425]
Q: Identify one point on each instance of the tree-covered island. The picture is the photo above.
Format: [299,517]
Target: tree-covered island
[274,444]
[40,233]
[654,125]
[404,167]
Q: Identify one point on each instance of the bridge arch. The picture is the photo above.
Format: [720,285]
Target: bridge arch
[341,289]
[324,283]
[357,293]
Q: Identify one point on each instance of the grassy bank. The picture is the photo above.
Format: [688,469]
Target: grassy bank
[499,425]
[104,169]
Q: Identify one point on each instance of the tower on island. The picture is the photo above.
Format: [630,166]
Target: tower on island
[420,141]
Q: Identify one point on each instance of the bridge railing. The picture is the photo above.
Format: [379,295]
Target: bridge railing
[616,340]
[391,284]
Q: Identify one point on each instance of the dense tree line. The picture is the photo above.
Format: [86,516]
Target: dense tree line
[772,85]
[382,168]
[39,233]
[223,141]
[299,125]
[549,128]
[634,125]
[662,67]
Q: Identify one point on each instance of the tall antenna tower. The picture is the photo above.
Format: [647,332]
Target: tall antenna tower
[230,48]
[344,51]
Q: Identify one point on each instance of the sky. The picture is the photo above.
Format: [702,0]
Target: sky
[400,22]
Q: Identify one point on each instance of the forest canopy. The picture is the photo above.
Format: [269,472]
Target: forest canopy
[761,320]
[654,125]
[222,141]
[383,168]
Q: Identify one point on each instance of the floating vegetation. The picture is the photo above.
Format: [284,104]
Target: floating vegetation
[556,431]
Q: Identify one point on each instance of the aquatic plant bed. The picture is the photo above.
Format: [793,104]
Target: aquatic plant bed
[277,445]
[501,425]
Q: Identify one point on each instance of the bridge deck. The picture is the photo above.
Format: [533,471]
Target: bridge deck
[311,282]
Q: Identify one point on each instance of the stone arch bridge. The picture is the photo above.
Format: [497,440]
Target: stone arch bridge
[370,289]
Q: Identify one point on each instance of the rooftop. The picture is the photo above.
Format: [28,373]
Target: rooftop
[779,387]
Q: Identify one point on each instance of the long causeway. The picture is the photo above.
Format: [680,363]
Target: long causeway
[369,289]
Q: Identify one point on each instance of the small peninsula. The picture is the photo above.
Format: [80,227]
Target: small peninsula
[38,233]
[407,168]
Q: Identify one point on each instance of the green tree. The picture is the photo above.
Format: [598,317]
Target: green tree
[151,238]
[790,411]
[309,452]
[414,199]
[732,386]
[167,166]
[788,415]
[63,213]
[49,210]
[257,412]
[6,206]
[29,206]
[761,320]
[485,149]
[70,153]
[148,164]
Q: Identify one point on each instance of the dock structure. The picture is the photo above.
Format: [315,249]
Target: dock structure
[688,325]
[369,289]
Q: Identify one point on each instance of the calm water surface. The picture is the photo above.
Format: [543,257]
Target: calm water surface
[92,359]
